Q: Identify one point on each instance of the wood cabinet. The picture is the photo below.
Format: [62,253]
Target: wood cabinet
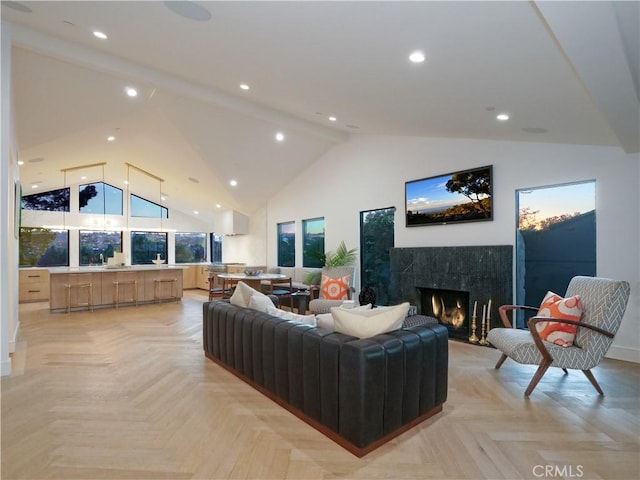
[33,285]
[190,276]
[203,277]
[151,284]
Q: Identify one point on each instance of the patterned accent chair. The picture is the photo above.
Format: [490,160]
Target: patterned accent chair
[604,302]
[319,304]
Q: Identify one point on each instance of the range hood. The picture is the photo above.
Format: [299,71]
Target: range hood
[235,223]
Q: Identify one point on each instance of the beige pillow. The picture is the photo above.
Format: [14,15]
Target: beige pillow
[260,302]
[294,317]
[325,320]
[369,323]
[242,295]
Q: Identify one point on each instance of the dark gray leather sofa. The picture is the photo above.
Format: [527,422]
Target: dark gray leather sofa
[359,392]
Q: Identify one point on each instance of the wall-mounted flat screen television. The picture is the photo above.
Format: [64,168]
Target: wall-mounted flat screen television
[463,196]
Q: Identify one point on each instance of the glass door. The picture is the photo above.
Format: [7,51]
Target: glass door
[376,241]
[555,240]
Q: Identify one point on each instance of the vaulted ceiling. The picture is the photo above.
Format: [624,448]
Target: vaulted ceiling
[565,72]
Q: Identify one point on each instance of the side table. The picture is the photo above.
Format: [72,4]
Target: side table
[301,300]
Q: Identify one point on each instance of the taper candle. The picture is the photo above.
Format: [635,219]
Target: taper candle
[475,308]
[484,313]
[489,309]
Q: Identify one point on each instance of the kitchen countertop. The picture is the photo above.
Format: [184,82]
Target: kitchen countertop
[124,268]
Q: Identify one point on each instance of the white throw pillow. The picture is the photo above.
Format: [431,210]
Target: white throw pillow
[294,317]
[325,320]
[368,323]
[260,302]
[243,294]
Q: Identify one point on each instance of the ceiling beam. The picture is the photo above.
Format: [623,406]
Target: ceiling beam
[99,61]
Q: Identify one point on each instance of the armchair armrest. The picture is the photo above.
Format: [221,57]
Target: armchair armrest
[538,340]
[314,292]
[502,310]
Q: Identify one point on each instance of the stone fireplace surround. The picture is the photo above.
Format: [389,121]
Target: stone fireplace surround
[486,272]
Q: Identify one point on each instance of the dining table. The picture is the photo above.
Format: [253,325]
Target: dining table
[254,281]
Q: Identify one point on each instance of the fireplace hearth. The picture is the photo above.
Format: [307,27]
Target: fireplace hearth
[481,272]
[450,307]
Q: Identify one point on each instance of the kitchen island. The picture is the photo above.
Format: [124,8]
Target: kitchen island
[73,288]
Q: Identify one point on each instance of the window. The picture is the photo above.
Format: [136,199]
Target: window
[144,208]
[100,198]
[145,246]
[41,247]
[555,240]
[191,247]
[93,244]
[52,201]
[376,241]
[287,244]
[313,242]
[216,248]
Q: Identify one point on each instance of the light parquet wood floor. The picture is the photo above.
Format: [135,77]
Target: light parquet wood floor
[128,394]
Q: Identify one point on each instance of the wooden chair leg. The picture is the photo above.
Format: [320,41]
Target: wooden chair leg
[593,381]
[501,361]
[544,365]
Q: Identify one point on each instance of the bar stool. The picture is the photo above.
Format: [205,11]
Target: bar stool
[157,289]
[88,286]
[125,279]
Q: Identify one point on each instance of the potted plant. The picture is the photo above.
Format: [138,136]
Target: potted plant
[340,257]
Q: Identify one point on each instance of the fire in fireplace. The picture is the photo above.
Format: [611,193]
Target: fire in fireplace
[450,307]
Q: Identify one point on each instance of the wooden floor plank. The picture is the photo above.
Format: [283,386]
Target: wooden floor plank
[128,394]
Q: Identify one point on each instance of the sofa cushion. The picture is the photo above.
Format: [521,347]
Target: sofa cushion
[294,317]
[325,320]
[553,305]
[260,302]
[368,323]
[242,295]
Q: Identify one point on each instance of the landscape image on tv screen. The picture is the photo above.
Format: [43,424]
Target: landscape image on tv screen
[463,196]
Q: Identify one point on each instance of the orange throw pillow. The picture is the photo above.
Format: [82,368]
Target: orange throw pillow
[335,288]
[553,305]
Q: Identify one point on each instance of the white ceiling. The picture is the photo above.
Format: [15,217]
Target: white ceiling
[566,69]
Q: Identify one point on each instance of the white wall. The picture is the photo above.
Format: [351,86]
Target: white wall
[8,248]
[369,172]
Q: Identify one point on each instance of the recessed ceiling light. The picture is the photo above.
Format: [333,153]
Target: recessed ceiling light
[332,119]
[280,136]
[132,92]
[233,183]
[111,138]
[100,35]
[196,212]
[417,57]
[503,117]
[218,205]
[163,198]
[35,185]
[83,177]
[126,182]
[20,162]
[244,86]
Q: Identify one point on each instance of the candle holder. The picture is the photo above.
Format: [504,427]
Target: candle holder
[483,335]
[473,338]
